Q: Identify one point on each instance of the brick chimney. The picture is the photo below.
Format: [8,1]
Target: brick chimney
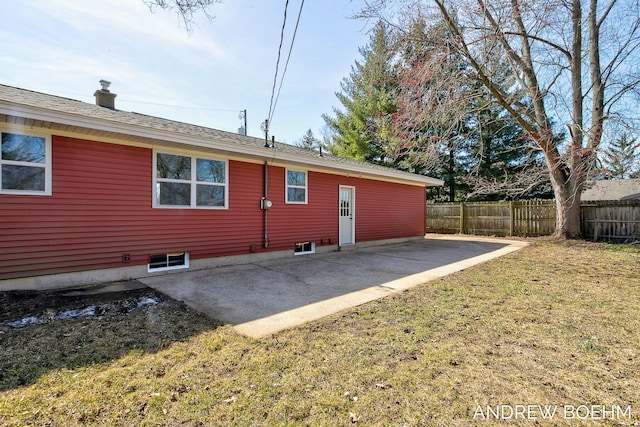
[104,98]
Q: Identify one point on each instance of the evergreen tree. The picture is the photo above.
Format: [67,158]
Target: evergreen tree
[501,166]
[621,158]
[361,128]
[409,104]
[309,141]
[430,125]
[448,123]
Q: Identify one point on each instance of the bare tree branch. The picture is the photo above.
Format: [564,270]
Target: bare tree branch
[186,9]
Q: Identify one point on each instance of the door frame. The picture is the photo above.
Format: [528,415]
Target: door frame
[352,191]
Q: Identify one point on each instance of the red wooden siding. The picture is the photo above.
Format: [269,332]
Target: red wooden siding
[382,210]
[101,208]
[386,211]
[294,223]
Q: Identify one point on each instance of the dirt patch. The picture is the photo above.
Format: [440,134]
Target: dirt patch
[45,331]
[16,305]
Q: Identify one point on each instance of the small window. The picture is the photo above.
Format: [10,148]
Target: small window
[25,164]
[172,261]
[305,248]
[186,181]
[296,186]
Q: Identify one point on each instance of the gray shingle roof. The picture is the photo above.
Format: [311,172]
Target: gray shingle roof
[16,102]
[615,189]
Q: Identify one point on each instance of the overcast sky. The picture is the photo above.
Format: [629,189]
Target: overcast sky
[206,76]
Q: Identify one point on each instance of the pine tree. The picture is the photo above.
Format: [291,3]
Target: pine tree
[430,124]
[309,141]
[621,158]
[449,124]
[361,128]
[501,166]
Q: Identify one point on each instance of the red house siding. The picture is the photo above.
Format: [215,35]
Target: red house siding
[101,208]
[386,210]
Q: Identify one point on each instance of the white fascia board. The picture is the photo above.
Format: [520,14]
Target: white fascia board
[362,171]
[106,125]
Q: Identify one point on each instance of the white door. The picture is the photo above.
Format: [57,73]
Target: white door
[347,216]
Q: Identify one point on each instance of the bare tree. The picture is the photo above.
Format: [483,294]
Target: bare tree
[186,9]
[573,63]
[534,182]
[429,127]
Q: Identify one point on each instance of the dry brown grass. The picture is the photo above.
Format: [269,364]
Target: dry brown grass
[553,324]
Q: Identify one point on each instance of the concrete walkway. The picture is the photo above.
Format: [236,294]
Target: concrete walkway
[265,297]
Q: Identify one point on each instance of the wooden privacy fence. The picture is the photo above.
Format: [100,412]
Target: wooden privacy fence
[524,218]
[612,221]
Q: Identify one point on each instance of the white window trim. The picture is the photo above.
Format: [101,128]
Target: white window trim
[192,181]
[311,251]
[305,187]
[46,165]
[173,267]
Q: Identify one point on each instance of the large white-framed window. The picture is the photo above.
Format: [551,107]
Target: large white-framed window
[189,181]
[296,186]
[25,163]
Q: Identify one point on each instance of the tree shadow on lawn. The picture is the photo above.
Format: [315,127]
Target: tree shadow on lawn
[113,325]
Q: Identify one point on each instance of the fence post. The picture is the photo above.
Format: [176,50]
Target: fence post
[511,218]
[461,217]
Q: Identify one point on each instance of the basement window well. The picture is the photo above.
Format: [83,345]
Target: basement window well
[171,261]
[305,248]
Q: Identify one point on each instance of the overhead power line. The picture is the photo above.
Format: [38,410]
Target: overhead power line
[286,64]
[186,107]
[274,95]
[275,75]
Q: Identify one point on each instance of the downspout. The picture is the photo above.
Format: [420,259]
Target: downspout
[264,207]
[424,203]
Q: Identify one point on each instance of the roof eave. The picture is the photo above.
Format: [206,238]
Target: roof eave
[153,134]
[631,197]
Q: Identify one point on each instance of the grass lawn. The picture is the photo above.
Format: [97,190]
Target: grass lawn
[552,324]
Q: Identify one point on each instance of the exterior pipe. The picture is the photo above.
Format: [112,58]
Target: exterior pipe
[265,210]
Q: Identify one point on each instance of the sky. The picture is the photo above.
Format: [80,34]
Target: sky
[205,76]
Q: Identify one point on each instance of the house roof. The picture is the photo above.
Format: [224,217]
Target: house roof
[615,189]
[72,117]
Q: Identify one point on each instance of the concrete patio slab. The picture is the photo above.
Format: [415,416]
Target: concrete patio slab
[265,297]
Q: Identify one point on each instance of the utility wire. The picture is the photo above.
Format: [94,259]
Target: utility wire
[275,76]
[274,101]
[133,101]
[186,107]
[293,39]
